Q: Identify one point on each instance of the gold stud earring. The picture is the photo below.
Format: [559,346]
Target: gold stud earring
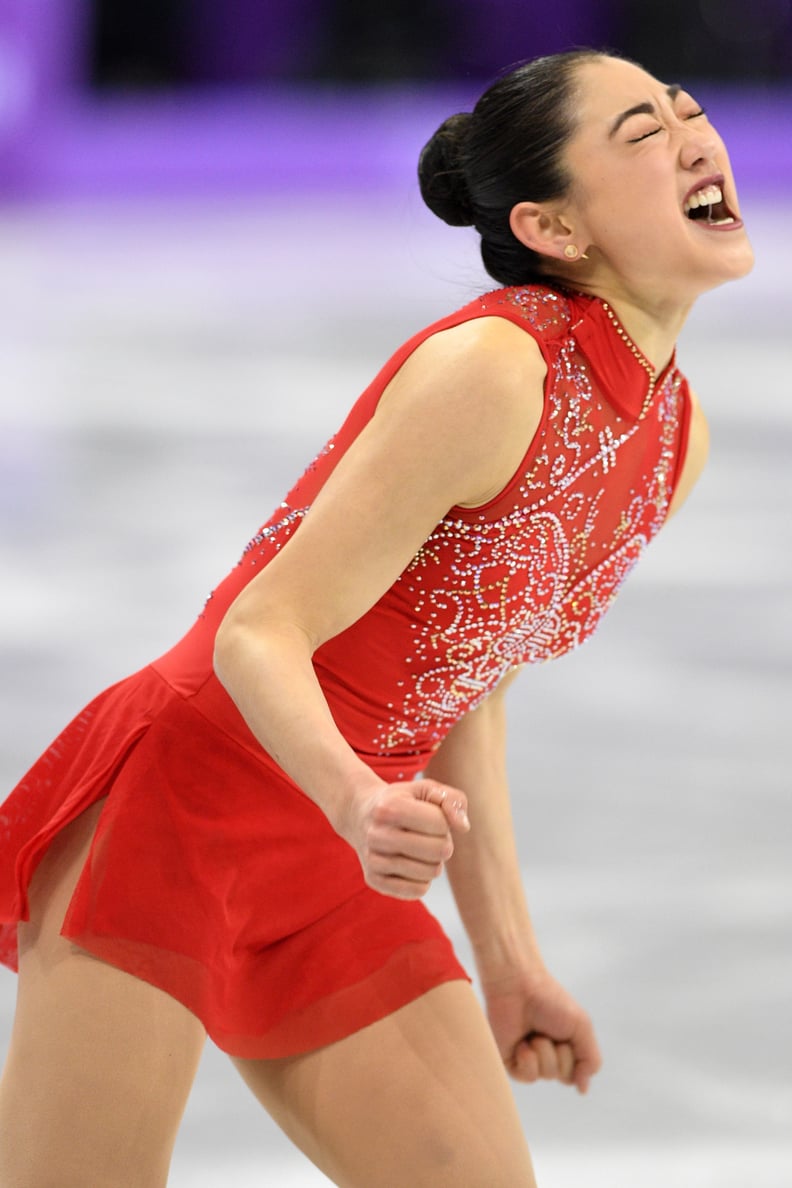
[571,252]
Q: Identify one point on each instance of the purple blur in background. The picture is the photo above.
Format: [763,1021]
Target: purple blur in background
[247,40]
[59,138]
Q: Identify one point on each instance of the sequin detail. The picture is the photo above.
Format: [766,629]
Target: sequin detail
[278,530]
[528,576]
[541,308]
[533,584]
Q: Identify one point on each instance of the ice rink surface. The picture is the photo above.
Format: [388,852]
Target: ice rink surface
[167,370]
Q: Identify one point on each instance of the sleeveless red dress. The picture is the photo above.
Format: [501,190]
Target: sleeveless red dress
[211,874]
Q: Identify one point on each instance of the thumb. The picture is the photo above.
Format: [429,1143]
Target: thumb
[451,801]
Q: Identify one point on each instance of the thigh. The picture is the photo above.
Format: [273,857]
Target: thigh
[100,1063]
[419,1098]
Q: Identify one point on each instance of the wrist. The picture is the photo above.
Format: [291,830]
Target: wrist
[342,809]
[496,919]
[506,952]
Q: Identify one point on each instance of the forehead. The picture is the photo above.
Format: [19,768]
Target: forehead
[607,86]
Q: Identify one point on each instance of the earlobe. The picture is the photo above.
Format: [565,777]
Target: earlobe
[539,229]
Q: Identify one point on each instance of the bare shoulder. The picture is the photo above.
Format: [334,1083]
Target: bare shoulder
[451,428]
[695,456]
[481,381]
[488,355]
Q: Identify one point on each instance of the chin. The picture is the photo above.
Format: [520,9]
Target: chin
[740,265]
[736,261]
[748,260]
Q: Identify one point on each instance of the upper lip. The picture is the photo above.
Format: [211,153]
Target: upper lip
[717,179]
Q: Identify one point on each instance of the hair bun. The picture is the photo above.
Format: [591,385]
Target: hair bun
[441,174]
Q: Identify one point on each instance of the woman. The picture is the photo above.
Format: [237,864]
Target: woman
[236,840]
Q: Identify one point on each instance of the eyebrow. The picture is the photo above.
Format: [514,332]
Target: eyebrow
[642,109]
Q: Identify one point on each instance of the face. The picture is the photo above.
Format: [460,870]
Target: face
[653,192]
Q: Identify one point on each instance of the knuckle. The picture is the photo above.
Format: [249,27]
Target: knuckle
[431,788]
[382,813]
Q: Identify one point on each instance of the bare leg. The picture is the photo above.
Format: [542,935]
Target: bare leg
[100,1064]
[420,1098]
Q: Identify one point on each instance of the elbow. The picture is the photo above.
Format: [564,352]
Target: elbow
[235,640]
[268,642]
[226,644]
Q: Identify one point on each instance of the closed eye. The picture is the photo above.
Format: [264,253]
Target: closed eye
[694,115]
[646,135]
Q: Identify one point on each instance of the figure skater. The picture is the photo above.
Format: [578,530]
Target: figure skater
[235,840]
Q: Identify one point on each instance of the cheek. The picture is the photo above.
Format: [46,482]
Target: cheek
[625,205]
[602,201]
[632,214]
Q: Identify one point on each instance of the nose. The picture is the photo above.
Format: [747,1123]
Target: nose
[699,145]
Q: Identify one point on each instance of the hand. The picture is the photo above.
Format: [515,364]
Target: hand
[403,835]
[540,1030]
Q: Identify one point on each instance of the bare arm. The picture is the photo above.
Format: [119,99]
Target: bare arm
[539,1028]
[485,870]
[452,428]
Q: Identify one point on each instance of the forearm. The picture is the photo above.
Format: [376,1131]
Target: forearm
[485,878]
[268,673]
[484,872]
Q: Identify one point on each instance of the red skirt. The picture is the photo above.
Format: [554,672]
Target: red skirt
[213,877]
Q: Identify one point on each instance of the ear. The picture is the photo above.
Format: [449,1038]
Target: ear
[541,228]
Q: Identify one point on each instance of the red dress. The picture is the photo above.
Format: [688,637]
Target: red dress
[211,874]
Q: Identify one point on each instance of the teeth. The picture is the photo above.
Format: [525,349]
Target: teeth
[707,196]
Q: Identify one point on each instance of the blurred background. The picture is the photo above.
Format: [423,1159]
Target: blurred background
[210,238]
[120,96]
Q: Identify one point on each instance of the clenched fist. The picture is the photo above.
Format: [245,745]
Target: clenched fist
[403,834]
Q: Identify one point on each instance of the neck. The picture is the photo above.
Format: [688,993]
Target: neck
[653,321]
[654,326]
[654,332]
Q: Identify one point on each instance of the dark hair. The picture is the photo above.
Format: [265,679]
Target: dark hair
[509,149]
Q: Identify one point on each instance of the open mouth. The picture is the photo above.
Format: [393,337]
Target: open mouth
[708,206]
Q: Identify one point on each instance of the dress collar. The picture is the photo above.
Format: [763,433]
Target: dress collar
[625,375]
